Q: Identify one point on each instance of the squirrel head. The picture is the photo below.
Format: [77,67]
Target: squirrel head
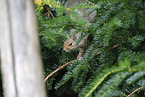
[70,44]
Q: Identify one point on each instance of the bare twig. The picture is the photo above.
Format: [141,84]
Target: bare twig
[90,2]
[115,46]
[49,12]
[91,69]
[134,91]
[58,70]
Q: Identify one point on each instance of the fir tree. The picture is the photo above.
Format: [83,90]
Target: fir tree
[114,62]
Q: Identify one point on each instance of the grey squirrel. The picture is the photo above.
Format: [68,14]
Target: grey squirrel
[71,43]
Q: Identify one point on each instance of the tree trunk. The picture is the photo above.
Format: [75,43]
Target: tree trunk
[20,52]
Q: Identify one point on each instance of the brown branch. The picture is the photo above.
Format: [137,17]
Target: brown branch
[134,91]
[91,69]
[99,53]
[57,70]
[115,46]
[90,2]
[49,12]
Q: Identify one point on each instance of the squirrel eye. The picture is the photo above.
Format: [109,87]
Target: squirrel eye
[70,44]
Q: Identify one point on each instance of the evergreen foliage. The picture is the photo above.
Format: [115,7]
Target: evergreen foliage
[114,62]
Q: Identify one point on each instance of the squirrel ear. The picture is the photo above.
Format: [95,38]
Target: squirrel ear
[74,37]
[72,31]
